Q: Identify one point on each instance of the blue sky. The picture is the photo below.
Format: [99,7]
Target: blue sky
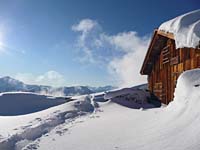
[75,42]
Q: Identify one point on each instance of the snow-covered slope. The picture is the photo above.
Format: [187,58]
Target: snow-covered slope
[186,29]
[85,124]
[18,131]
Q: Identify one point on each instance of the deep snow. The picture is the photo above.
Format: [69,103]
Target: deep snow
[87,124]
[186,29]
[174,127]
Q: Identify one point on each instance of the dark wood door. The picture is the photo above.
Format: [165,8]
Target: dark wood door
[167,83]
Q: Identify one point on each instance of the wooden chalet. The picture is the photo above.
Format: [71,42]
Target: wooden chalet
[164,63]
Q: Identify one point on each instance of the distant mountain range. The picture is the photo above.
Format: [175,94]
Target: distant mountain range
[8,84]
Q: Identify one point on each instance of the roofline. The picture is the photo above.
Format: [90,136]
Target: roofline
[166,34]
[156,32]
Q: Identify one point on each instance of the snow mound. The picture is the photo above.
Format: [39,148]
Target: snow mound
[142,94]
[188,82]
[131,97]
[186,29]
[187,93]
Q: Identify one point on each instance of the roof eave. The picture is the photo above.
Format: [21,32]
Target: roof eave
[153,39]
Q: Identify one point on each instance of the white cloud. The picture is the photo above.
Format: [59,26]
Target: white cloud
[122,53]
[84,25]
[128,41]
[127,67]
[52,78]
[87,29]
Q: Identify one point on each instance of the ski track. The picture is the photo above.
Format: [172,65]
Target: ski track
[30,135]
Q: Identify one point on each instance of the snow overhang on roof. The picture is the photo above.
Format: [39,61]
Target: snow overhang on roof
[185,30]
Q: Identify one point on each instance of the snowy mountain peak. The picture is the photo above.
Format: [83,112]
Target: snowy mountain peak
[10,80]
[8,84]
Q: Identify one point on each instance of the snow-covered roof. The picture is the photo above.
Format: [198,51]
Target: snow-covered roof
[186,29]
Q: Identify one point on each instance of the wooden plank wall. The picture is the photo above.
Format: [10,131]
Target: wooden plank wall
[168,66]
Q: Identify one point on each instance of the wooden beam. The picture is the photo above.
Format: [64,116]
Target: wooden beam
[148,53]
[166,34]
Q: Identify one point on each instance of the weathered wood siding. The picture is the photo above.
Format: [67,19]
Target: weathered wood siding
[167,67]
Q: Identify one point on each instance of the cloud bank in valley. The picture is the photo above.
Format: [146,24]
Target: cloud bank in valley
[51,77]
[122,54]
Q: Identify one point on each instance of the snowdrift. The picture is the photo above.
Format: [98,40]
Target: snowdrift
[186,29]
[130,97]
[187,93]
